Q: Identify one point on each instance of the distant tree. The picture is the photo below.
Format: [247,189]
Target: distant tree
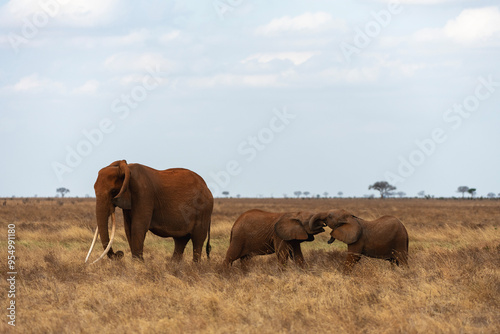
[463,190]
[298,193]
[491,195]
[383,187]
[340,193]
[325,194]
[401,194]
[306,193]
[421,193]
[472,192]
[238,196]
[225,193]
[63,191]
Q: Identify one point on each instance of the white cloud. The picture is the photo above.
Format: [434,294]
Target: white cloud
[351,76]
[428,35]
[89,87]
[65,12]
[471,27]
[417,2]
[474,25]
[33,83]
[296,58]
[132,62]
[28,83]
[170,36]
[305,22]
[233,80]
[399,68]
[138,79]
[134,38]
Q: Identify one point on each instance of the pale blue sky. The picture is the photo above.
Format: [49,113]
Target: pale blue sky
[258,97]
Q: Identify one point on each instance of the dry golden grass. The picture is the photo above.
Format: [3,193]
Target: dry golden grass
[452,286]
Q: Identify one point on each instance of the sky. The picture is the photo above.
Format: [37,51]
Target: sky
[260,97]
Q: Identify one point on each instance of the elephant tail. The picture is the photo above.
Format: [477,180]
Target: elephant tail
[209,248]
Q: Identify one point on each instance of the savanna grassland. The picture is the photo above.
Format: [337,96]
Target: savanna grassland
[452,285]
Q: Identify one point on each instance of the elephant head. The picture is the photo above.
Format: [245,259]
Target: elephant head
[295,226]
[111,190]
[345,227]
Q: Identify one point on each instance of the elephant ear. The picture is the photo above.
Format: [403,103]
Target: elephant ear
[349,231]
[123,199]
[289,228]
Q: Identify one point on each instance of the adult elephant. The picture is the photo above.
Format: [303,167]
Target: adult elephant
[258,232]
[170,203]
[384,238]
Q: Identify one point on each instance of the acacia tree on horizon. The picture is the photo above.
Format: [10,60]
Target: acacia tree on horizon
[472,192]
[463,190]
[383,187]
[63,191]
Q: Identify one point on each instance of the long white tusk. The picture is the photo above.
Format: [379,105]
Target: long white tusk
[93,244]
[111,240]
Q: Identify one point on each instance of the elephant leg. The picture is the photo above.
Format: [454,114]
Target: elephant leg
[198,239]
[230,258]
[282,251]
[127,222]
[401,257]
[137,245]
[138,230]
[180,245]
[140,220]
[298,257]
[235,250]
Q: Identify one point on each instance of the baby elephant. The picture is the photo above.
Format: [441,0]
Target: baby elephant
[384,238]
[258,232]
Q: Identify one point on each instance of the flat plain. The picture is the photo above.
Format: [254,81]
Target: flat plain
[452,285]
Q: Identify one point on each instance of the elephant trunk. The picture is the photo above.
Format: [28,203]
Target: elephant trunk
[317,221]
[104,209]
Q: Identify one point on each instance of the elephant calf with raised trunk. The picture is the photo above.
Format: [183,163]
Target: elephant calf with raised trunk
[170,203]
[384,238]
[258,232]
